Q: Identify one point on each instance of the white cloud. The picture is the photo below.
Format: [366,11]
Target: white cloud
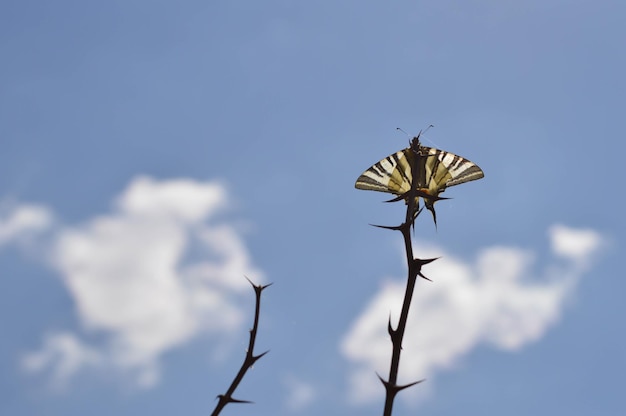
[185,200]
[64,355]
[300,394]
[22,221]
[493,300]
[574,244]
[141,277]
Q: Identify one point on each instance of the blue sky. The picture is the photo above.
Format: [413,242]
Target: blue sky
[152,153]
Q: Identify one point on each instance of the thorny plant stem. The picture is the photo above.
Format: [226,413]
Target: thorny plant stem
[414,270]
[398,334]
[250,359]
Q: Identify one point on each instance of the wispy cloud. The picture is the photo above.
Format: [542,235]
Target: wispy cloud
[574,244]
[495,299]
[148,276]
[18,222]
[64,354]
[300,394]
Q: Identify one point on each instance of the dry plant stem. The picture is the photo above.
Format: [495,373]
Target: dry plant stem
[248,362]
[397,334]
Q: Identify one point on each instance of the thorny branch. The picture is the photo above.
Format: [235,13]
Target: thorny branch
[250,359]
[414,270]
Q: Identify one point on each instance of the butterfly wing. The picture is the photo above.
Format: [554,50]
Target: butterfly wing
[392,174]
[438,169]
[443,169]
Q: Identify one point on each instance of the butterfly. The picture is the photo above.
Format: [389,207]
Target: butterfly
[434,171]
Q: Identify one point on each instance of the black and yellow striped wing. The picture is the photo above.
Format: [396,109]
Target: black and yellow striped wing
[392,174]
[436,170]
[443,169]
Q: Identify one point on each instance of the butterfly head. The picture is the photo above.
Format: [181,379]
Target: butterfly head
[415,143]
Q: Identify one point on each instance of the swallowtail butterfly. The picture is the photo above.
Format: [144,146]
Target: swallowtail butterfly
[435,171]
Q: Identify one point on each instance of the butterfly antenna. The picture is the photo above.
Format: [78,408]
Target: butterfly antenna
[407,134]
[398,128]
[428,140]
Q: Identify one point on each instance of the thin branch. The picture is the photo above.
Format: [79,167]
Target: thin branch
[414,270]
[250,359]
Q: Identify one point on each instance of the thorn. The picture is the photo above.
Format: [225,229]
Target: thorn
[385,383]
[430,204]
[423,277]
[396,199]
[390,329]
[233,400]
[409,385]
[395,389]
[431,208]
[418,193]
[257,357]
[418,263]
[421,262]
[438,198]
[388,227]
[415,215]
[258,288]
